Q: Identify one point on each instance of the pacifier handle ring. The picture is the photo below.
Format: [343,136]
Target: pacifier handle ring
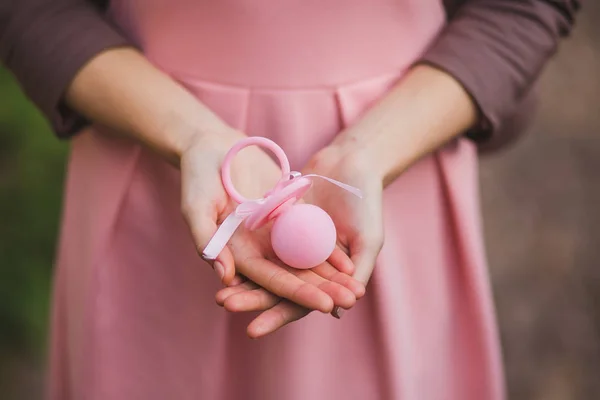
[251,141]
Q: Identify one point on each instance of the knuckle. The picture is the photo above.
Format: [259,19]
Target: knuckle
[277,282]
[300,288]
[266,300]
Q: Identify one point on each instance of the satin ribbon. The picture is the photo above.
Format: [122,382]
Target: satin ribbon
[226,230]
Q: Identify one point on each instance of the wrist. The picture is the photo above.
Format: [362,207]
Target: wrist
[424,111]
[183,136]
[373,152]
[354,157]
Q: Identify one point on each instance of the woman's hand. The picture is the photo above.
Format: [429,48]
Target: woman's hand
[359,224]
[205,204]
[359,221]
[122,90]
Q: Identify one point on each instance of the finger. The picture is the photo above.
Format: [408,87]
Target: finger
[203,226]
[364,255]
[225,293]
[343,289]
[341,296]
[365,263]
[237,280]
[328,272]
[282,283]
[225,259]
[275,318]
[251,300]
[341,261]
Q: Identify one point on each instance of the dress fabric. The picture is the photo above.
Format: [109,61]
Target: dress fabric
[134,315]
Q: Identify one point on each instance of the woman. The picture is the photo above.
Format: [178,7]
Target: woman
[376,94]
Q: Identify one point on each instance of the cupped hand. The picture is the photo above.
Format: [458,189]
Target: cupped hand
[359,224]
[205,204]
[359,221]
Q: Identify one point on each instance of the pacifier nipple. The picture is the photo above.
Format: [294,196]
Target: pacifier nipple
[303,236]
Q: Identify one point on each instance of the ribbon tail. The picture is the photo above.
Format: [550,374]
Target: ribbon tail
[351,189]
[219,240]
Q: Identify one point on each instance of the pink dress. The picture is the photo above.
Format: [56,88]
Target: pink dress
[134,314]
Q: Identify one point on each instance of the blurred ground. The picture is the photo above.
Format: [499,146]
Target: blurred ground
[542,223]
[542,217]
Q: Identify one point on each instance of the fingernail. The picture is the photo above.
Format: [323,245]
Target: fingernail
[338,312]
[220,269]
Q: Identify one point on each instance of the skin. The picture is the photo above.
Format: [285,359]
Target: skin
[425,110]
[122,90]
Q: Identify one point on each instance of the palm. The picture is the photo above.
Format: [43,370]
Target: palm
[359,226]
[206,204]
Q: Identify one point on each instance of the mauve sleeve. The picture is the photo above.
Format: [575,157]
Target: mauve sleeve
[497,49]
[45,42]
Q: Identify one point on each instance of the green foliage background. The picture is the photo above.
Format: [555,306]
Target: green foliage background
[32,165]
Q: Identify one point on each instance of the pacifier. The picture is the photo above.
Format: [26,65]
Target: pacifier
[303,235]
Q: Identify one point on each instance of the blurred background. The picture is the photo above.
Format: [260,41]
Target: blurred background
[541,201]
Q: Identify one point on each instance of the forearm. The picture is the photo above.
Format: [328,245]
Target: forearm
[122,90]
[425,110]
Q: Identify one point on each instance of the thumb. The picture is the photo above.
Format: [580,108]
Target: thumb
[364,253]
[225,265]
[203,226]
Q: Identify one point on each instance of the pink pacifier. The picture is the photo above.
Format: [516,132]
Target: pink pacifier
[303,235]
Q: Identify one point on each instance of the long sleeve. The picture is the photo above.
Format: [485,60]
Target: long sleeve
[497,49]
[44,43]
